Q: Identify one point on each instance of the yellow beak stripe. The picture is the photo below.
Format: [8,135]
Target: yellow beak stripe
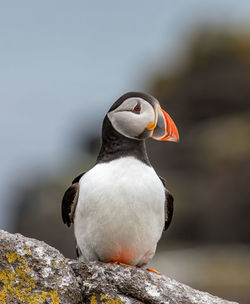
[152,125]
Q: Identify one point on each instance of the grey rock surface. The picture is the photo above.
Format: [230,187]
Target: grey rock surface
[136,285]
[34,272]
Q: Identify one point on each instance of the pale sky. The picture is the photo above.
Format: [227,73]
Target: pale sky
[63,63]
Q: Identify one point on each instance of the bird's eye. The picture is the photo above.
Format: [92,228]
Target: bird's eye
[137,109]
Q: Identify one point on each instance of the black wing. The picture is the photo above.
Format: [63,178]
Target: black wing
[169,205]
[69,201]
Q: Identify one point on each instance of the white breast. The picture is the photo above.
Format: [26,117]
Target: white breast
[120,212]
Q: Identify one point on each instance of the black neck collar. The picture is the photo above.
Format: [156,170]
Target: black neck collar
[115,145]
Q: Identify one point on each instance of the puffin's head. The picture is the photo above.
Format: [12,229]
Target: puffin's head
[139,116]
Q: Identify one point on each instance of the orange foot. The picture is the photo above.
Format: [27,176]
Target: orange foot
[122,264]
[153,270]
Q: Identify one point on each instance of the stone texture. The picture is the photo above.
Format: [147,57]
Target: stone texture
[33,272]
[135,285]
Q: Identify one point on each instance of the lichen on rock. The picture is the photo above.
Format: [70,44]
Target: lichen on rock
[29,275]
[33,272]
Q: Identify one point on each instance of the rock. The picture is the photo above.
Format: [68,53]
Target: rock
[135,285]
[33,272]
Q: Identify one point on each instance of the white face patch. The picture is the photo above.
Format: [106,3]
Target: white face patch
[129,123]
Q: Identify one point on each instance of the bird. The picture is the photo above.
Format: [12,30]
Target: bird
[120,207]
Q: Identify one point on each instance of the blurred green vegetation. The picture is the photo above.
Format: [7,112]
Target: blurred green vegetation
[208,96]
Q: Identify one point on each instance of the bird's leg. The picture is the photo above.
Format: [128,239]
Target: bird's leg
[120,263]
[123,264]
[127,265]
[153,270]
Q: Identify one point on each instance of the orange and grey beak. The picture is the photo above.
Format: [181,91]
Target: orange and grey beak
[163,127]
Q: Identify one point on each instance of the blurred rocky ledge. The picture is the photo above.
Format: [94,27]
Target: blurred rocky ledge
[33,272]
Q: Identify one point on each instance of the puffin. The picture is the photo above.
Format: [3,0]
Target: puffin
[120,207]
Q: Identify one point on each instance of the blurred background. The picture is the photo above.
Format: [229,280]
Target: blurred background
[62,64]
